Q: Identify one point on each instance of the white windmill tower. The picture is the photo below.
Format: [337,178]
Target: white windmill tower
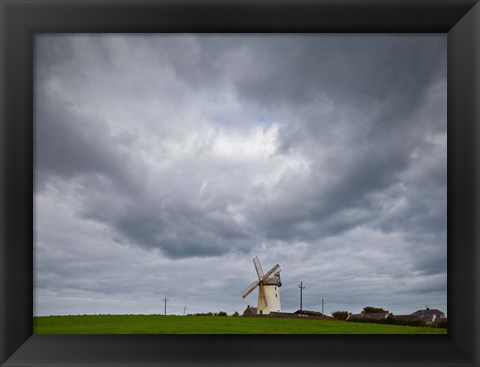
[268,289]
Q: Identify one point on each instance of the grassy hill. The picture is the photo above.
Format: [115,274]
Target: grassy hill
[158,324]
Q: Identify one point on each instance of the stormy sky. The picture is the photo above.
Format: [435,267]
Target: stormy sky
[165,163]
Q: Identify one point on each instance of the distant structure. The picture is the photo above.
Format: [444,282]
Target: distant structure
[302,287]
[428,315]
[252,312]
[249,311]
[307,313]
[268,289]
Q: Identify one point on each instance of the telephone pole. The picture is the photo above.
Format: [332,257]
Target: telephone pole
[301,295]
[323,313]
[165,300]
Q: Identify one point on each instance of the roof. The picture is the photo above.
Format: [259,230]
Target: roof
[428,313]
[308,313]
[354,316]
[250,310]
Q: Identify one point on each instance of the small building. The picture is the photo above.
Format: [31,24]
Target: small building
[306,313]
[429,315]
[250,311]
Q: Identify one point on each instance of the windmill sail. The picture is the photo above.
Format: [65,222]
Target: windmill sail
[270,274]
[250,289]
[258,267]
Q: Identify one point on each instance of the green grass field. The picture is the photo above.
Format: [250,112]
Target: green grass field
[158,324]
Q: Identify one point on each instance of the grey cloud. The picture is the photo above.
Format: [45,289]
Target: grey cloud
[190,150]
[352,68]
[179,228]
[69,145]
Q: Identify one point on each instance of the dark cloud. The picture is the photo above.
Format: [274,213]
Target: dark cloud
[326,154]
[360,70]
[70,145]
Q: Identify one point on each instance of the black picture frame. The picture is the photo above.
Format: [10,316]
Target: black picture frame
[21,20]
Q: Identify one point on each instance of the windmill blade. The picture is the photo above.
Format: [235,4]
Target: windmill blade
[270,273]
[258,267]
[250,288]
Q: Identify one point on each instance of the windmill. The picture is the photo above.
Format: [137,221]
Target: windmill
[268,288]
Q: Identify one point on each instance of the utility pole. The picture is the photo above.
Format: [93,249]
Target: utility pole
[323,313]
[301,296]
[165,300]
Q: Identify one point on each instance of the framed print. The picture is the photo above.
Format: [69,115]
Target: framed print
[321,157]
[36,37]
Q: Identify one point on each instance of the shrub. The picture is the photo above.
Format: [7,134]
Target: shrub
[394,321]
[442,323]
[370,309]
[340,315]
